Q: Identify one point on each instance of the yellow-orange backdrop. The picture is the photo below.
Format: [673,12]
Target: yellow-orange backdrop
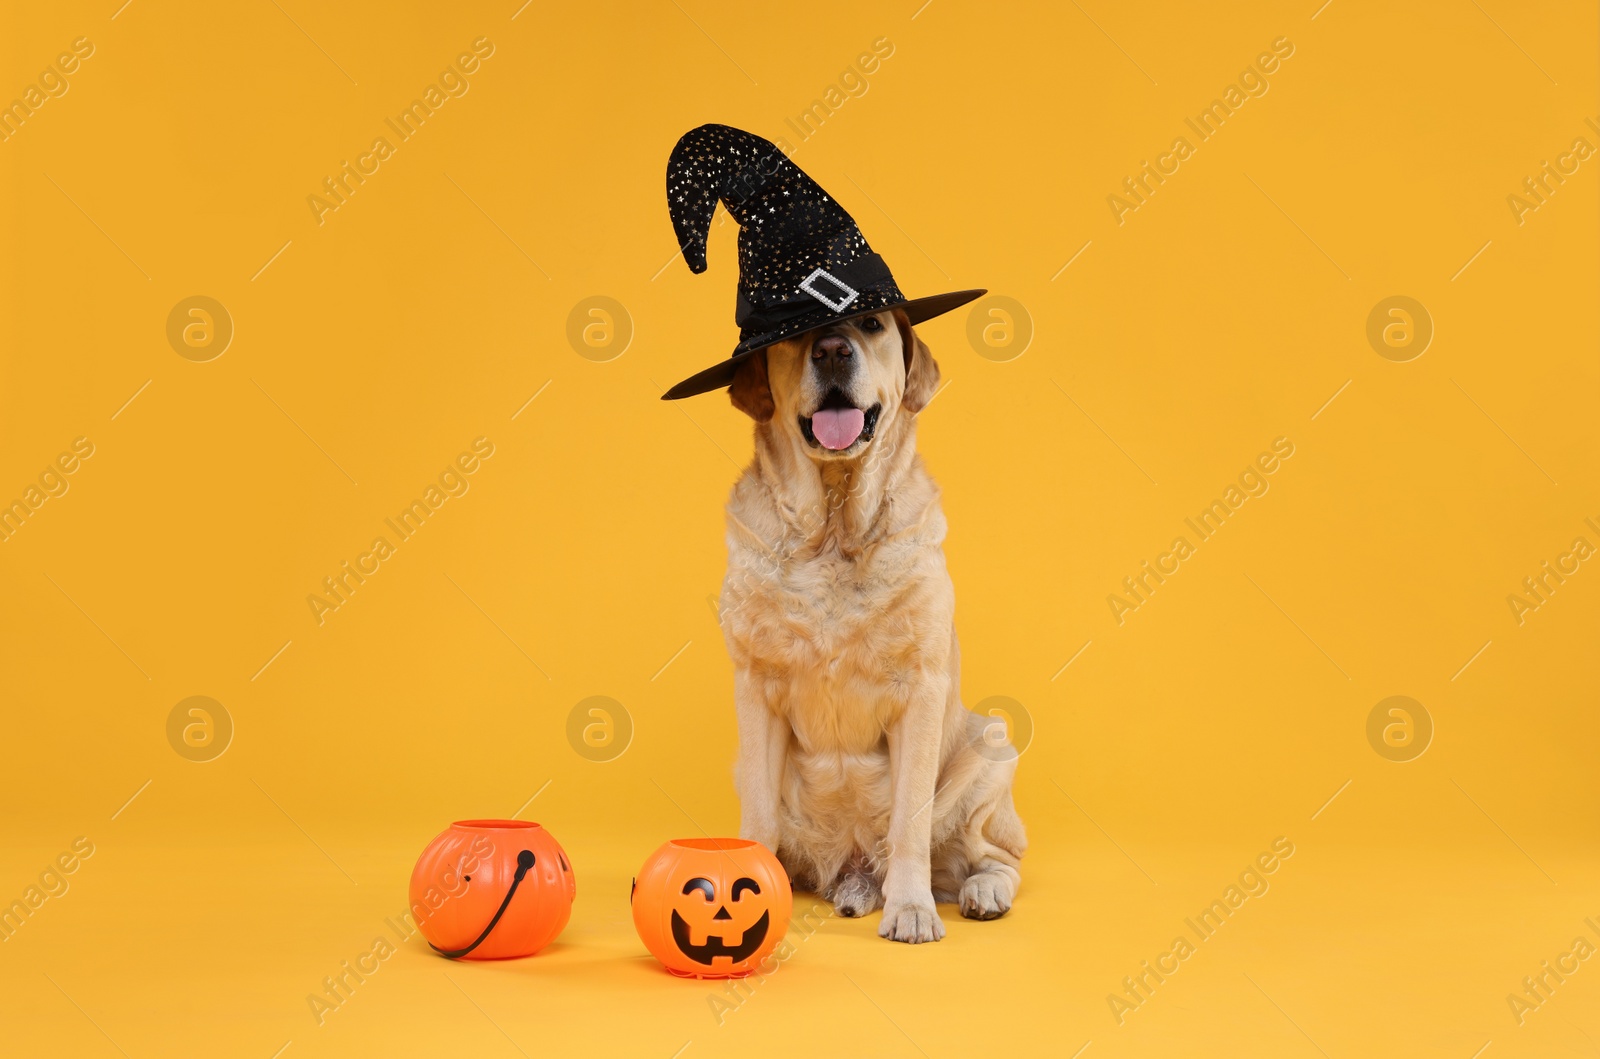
[1154,330]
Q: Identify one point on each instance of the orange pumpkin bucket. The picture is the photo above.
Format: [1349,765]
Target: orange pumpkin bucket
[712,907]
[492,890]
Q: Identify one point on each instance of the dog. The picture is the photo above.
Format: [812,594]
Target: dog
[857,762]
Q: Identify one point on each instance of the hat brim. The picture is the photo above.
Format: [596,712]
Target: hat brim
[917,310]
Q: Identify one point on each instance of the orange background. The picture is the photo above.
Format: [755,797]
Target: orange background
[1166,352]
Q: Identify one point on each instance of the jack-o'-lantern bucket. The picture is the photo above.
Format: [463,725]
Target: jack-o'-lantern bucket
[712,907]
[492,890]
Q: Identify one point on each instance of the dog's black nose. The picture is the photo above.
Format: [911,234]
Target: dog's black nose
[830,347]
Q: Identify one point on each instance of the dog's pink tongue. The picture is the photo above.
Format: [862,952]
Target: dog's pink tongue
[837,428]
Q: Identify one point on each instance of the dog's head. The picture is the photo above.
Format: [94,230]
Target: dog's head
[835,389]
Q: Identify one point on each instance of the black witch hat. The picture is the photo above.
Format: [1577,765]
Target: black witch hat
[803,262]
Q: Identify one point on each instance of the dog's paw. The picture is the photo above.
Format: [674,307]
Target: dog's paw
[856,896]
[986,895]
[913,923]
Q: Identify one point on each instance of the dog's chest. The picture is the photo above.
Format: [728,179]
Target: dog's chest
[836,640]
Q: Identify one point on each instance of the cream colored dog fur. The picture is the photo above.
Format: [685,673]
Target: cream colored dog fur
[857,762]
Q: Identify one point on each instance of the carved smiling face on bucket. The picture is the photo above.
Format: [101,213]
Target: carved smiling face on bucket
[736,934]
[712,907]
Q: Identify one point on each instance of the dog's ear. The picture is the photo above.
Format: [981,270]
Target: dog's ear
[750,392]
[922,371]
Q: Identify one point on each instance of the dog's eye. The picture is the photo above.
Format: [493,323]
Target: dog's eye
[871,323]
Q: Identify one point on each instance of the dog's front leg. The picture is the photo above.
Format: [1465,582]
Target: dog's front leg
[914,739]
[763,736]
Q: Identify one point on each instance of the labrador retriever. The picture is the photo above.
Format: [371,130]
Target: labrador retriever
[857,762]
